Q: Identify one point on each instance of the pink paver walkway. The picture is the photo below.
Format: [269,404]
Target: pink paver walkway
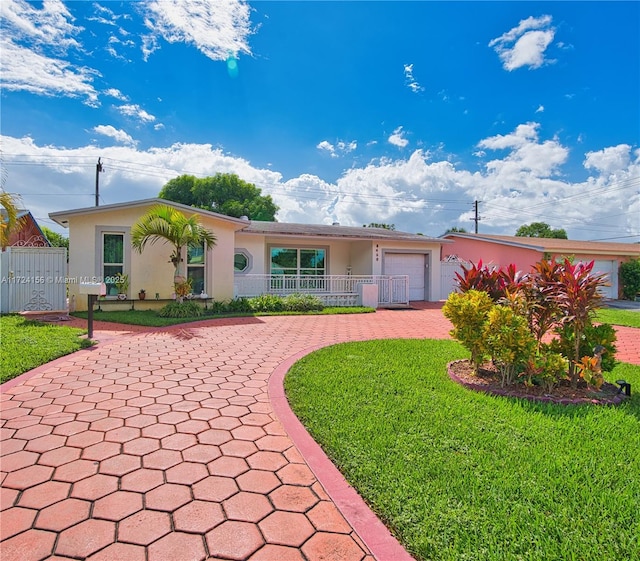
[178,444]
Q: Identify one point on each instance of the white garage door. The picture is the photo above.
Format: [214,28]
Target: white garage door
[411,264]
[611,269]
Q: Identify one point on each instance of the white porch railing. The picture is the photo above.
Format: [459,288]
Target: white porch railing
[333,289]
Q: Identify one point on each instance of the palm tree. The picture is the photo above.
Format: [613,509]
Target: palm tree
[167,224]
[9,221]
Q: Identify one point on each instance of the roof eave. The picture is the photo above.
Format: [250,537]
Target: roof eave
[61,217]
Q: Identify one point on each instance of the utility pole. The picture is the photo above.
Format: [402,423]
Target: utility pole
[476,218]
[99,168]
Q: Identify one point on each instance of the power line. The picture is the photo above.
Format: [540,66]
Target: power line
[371,200]
[616,238]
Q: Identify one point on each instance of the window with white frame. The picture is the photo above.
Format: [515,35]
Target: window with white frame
[302,263]
[112,259]
[196,258]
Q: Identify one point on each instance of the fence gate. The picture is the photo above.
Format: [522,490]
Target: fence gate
[33,279]
[448,281]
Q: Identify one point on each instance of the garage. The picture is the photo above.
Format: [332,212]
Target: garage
[414,265]
[610,268]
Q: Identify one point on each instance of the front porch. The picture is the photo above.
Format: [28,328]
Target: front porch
[333,290]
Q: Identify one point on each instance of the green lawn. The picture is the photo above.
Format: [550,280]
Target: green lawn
[614,316]
[459,475]
[24,344]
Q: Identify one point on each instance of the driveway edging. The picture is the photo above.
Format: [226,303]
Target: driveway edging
[375,535]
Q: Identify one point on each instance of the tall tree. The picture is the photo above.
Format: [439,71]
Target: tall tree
[169,225]
[540,230]
[224,193]
[55,239]
[455,229]
[9,221]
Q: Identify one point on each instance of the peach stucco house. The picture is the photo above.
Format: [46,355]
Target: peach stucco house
[524,252]
[251,258]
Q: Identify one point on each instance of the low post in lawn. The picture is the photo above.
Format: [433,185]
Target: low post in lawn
[92,290]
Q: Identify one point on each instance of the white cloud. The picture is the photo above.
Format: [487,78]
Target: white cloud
[609,160]
[105,15]
[326,146]
[347,147]
[541,159]
[25,70]
[51,25]
[218,29]
[519,137]
[525,44]
[410,81]
[417,193]
[33,44]
[133,110]
[118,135]
[115,92]
[398,139]
[114,43]
[339,149]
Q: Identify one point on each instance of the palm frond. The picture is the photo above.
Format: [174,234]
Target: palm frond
[11,223]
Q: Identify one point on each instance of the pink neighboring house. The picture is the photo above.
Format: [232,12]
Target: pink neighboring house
[524,252]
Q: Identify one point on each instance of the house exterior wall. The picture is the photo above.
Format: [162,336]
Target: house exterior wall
[586,257]
[254,246]
[364,257]
[361,257]
[499,254]
[608,261]
[220,268]
[492,253]
[150,270]
[338,251]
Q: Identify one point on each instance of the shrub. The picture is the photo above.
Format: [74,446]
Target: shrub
[302,303]
[217,307]
[239,305]
[562,296]
[509,342]
[590,371]
[541,310]
[630,279]
[575,293]
[182,289]
[592,336]
[547,368]
[494,281]
[468,313]
[187,309]
[267,303]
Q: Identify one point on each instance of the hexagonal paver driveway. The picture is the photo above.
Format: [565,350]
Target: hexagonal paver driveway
[174,445]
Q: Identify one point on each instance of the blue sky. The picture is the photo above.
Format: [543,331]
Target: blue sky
[355,112]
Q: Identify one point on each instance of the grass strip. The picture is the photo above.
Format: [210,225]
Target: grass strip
[150,318]
[628,318]
[459,475]
[27,344]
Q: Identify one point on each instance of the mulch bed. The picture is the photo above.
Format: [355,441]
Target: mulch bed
[488,381]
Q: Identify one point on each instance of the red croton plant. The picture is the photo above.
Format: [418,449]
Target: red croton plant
[562,296]
[575,292]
